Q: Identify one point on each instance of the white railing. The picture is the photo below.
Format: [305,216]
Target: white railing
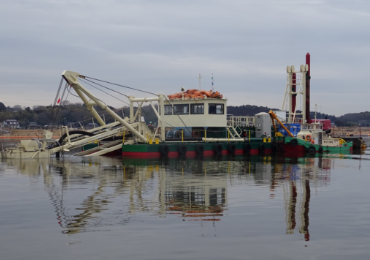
[240,120]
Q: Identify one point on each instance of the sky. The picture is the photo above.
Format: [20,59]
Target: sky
[163,45]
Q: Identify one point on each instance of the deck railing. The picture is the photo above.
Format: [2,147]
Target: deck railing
[240,120]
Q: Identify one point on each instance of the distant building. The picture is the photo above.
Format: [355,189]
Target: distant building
[11,123]
[33,125]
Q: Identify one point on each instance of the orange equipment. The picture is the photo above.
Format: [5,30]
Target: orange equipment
[195,93]
[273,116]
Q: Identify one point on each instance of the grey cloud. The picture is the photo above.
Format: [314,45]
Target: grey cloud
[164,45]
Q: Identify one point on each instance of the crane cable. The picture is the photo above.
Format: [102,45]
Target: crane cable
[122,86]
[87,82]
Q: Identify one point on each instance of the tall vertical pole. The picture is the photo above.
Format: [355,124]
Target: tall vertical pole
[293,95]
[161,110]
[200,87]
[308,78]
[212,82]
[290,109]
[131,110]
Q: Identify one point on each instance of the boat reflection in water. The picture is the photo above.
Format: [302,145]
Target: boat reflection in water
[91,194]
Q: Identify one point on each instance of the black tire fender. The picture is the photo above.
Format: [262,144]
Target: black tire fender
[311,150]
[164,149]
[281,148]
[217,149]
[321,150]
[231,148]
[182,149]
[261,148]
[247,148]
[293,142]
[199,149]
[274,147]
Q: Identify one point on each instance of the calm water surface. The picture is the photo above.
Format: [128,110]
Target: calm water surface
[203,208]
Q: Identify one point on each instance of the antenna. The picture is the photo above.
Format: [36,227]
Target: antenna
[212,82]
[200,76]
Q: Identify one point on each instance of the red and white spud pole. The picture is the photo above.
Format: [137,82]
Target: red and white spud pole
[308,78]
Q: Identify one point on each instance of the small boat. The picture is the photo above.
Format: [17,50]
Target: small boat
[314,135]
[312,139]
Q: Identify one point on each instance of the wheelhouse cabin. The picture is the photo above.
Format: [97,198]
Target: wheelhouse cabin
[195,116]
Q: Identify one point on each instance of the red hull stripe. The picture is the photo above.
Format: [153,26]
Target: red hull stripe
[298,151]
[189,153]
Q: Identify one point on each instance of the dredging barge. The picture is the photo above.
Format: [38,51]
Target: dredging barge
[199,126]
[190,123]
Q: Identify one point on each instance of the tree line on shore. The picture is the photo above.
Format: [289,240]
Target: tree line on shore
[351,119]
[78,113]
[66,113]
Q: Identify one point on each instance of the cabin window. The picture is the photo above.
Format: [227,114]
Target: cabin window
[197,108]
[168,110]
[182,109]
[216,109]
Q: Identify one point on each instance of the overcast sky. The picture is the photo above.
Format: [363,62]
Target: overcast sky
[163,45]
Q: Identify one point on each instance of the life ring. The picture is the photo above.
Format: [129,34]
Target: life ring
[261,148]
[182,149]
[293,142]
[164,149]
[311,150]
[217,149]
[195,133]
[308,138]
[247,148]
[199,149]
[231,148]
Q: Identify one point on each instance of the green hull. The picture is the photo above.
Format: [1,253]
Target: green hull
[154,150]
[294,145]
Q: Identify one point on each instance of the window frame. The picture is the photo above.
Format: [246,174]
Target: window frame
[215,104]
[165,110]
[192,108]
[182,105]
